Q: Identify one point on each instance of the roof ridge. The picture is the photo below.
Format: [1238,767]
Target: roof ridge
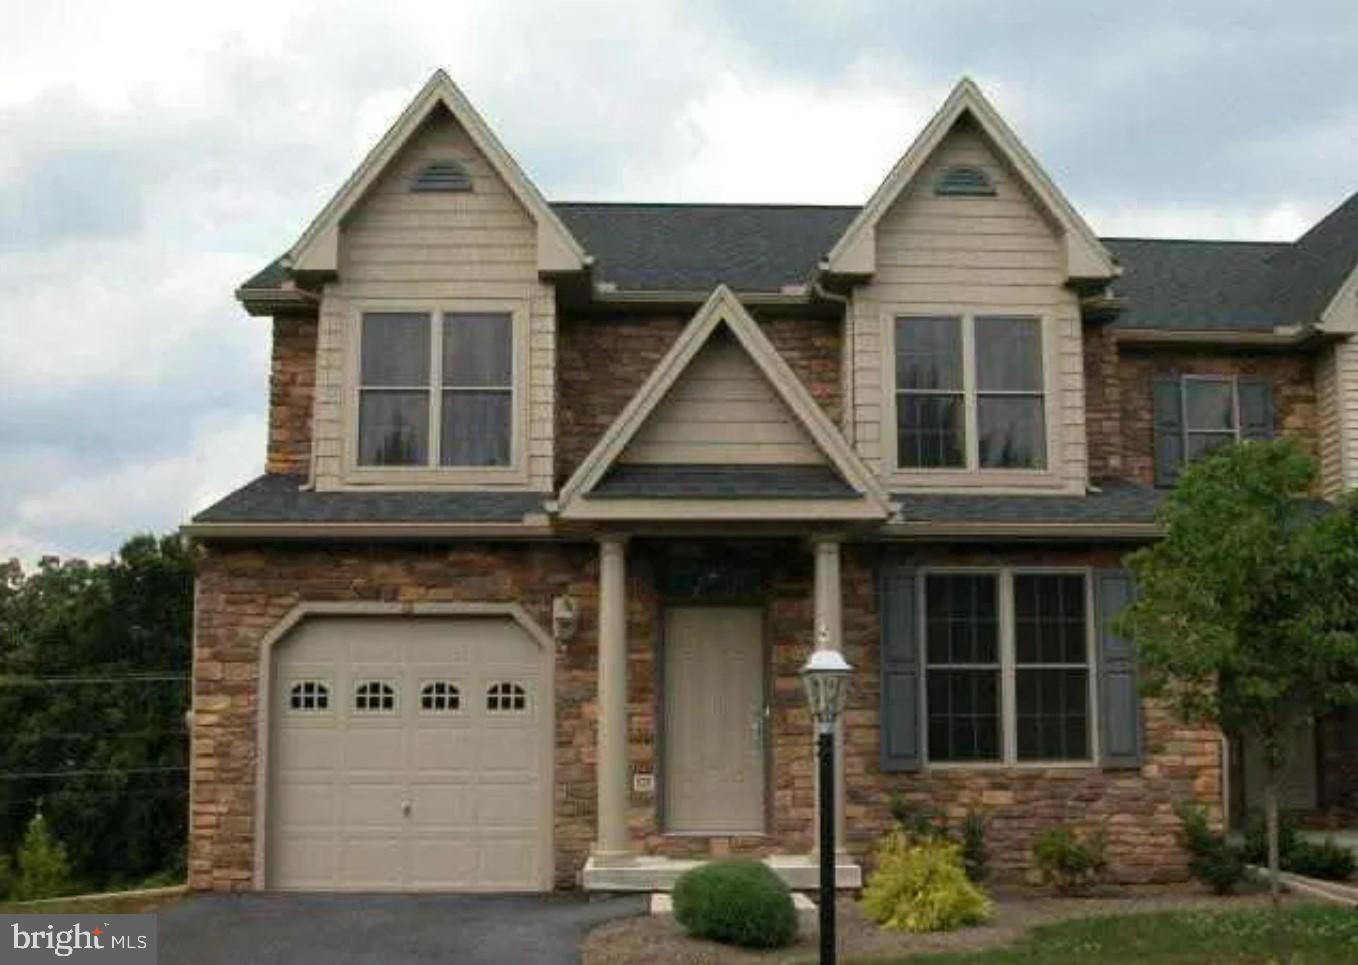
[706,204]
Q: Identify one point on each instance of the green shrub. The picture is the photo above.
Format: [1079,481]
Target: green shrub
[919,885]
[1211,859]
[918,821]
[738,902]
[43,871]
[1256,839]
[6,876]
[975,854]
[1069,861]
[1327,860]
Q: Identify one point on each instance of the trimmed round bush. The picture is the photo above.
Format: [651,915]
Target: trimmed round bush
[737,901]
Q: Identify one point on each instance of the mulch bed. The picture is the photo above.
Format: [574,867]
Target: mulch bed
[660,941]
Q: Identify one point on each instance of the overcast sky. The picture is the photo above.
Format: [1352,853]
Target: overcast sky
[152,155]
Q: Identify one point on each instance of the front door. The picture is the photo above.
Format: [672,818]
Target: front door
[716,718]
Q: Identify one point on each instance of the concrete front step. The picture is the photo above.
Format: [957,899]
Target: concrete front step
[653,873]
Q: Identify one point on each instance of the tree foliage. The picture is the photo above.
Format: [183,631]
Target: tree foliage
[88,733]
[43,868]
[1246,611]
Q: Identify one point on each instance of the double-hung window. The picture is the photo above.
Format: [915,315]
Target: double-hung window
[1195,415]
[435,389]
[970,392]
[1007,660]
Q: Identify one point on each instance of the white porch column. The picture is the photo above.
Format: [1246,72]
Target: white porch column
[828,617]
[611,841]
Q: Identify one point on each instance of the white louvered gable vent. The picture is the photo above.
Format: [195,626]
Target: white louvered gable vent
[442,176]
[964,179]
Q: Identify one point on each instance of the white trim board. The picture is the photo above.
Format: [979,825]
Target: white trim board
[855,252]
[722,308]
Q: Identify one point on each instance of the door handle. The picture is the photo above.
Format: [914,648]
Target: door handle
[405,807]
[759,726]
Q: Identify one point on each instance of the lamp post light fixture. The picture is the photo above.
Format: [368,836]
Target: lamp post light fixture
[826,676]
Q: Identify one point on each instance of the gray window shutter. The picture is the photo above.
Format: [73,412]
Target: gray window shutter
[900,670]
[1256,408]
[1168,421]
[1119,702]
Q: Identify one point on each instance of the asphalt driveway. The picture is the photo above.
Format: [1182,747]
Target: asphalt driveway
[263,929]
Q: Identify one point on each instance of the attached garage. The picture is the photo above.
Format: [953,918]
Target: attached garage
[409,753]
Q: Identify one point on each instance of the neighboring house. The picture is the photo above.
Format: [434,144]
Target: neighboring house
[559,496]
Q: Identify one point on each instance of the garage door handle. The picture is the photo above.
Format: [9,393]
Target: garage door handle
[405,808]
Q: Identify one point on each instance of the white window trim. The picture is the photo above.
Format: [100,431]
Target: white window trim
[972,476]
[1234,382]
[514,475]
[1008,666]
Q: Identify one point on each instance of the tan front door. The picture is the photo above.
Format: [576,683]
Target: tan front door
[715,720]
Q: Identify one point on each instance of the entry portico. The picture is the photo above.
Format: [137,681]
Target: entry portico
[721,434]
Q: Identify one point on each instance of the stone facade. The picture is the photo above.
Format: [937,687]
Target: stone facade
[292,388]
[1135,807]
[1294,397]
[245,592]
[1103,402]
[601,362]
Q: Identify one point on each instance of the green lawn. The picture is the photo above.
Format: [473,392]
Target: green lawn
[1317,933]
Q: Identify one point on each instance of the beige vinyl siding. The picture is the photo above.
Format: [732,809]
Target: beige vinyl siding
[1328,428]
[968,255]
[722,411]
[1337,395]
[440,251]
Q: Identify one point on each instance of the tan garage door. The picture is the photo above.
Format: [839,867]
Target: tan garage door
[410,754]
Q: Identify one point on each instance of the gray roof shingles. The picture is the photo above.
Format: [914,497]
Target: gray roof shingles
[281,499]
[1114,501]
[1166,283]
[722,482]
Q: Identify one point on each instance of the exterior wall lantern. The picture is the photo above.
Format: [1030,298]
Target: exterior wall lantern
[565,618]
[826,677]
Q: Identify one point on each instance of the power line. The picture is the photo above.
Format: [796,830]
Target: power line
[131,678]
[34,775]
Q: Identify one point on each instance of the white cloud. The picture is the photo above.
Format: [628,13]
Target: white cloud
[153,153]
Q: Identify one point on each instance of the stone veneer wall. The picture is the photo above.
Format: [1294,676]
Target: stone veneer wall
[292,388]
[602,361]
[1103,404]
[243,593]
[1292,377]
[1135,806]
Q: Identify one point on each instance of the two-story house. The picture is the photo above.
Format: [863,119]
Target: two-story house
[560,496]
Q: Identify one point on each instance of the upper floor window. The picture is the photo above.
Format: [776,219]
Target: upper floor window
[457,411]
[1197,414]
[960,379]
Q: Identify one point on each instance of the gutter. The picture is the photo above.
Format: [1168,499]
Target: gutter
[1281,337]
[533,527]
[604,293]
[268,301]
[923,531]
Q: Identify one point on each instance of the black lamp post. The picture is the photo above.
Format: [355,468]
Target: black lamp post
[826,676]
